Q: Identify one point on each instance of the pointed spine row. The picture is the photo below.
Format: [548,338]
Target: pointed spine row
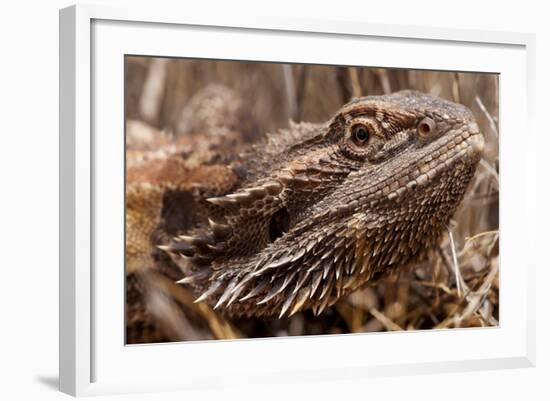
[200,249]
[247,196]
[317,283]
[306,176]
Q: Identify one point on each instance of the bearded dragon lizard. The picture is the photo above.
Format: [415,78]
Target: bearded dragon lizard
[313,212]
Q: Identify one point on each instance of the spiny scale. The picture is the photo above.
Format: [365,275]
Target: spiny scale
[320,214]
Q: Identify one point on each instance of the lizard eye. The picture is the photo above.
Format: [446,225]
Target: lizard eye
[360,134]
[426,127]
[361,137]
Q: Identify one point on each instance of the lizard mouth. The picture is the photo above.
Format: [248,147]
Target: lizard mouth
[466,147]
[449,155]
[463,148]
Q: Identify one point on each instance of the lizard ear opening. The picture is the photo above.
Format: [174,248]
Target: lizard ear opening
[279,224]
[426,127]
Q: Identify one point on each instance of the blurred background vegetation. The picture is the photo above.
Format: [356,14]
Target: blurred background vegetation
[456,287]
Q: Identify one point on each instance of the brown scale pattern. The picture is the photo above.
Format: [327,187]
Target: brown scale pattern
[168,180]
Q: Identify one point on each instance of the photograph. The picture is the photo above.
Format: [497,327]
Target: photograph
[268,199]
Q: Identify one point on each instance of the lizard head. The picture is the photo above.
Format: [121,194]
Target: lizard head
[325,209]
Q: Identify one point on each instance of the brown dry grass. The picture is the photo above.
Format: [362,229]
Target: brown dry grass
[457,287]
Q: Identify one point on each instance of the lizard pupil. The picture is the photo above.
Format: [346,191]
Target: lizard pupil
[279,224]
[360,134]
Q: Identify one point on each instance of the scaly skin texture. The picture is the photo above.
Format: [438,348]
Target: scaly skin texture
[166,180]
[318,211]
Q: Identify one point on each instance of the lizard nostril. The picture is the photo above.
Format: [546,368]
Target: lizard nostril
[279,224]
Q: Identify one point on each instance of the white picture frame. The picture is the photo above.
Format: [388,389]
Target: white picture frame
[93,357]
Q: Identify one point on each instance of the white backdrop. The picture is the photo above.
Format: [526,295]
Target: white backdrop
[28,201]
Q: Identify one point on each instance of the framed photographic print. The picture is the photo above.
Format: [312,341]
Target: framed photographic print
[238,191]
